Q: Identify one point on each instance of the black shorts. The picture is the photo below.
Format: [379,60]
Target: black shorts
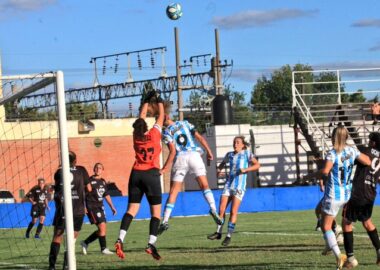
[59,221]
[96,215]
[145,182]
[37,210]
[353,212]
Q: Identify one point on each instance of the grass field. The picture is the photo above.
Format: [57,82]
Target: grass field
[279,240]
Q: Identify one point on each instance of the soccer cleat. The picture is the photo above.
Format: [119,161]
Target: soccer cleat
[318,226]
[214,236]
[119,249]
[84,247]
[226,241]
[152,250]
[27,235]
[216,217]
[106,251]
[163,227]
[340,261]
[351,263]
[378,257]
[37,236]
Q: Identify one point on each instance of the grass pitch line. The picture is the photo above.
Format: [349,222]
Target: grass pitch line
[294,234]
[18,266]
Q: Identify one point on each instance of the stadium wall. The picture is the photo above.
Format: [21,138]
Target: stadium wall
[189,204]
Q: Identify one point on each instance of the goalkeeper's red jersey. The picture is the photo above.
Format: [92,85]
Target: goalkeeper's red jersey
[148,150]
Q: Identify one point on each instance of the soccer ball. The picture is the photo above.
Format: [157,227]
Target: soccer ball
[174,11]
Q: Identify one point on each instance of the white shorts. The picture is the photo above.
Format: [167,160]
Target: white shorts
[238,193]
[188,162]
[331,207]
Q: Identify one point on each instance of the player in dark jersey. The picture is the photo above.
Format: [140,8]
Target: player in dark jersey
[80,178]
[360,205]
[95,209]
[38,197]
[145,176]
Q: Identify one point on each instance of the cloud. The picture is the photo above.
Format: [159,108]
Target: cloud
[367,23]
[24,5]
[247,75]
[255,18]
[375,48]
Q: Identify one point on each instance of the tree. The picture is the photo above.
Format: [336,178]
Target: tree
[81,111]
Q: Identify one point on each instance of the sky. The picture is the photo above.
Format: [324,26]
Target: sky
[258,36]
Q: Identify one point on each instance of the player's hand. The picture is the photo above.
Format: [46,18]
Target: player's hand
[114,212]
[162,171]
[241,171]
[159,98]
[210,156]
[149,95]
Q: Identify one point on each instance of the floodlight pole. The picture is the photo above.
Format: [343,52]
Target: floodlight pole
[178,72]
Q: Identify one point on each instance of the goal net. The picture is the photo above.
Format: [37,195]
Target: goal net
[33,144]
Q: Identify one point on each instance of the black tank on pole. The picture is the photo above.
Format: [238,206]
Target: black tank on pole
[221,110]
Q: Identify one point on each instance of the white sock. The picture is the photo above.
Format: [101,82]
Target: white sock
[219,229]
[330,239]
[231,229]
[210,198]
[168,211]
[122,235]
[152,239]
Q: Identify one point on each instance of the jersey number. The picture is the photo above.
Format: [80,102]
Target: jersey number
[147,153]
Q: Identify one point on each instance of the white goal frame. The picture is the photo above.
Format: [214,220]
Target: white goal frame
[47,79]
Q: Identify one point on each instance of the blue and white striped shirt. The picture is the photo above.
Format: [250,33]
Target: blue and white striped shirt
[237,161]
[339,184]
[181,134]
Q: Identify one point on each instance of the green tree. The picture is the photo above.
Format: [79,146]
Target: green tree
[81,111]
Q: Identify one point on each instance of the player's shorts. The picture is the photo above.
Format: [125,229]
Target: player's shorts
[37,211]
[237,193]
[187,162]
[354,212]
[145,182]
[59,221]
[96,215]
[331,207]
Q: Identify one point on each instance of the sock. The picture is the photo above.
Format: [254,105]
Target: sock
[91,238]
[39,228]
[153,226]
[102,242]
[207,193]
[30,227]
[373,235]
[125,222]
[219,229]
[54,250]
[349,243]
[331,242]
[168,211]
[231,228]
[152,239]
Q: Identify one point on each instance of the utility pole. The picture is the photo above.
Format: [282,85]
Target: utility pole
[218,75]
[178,72]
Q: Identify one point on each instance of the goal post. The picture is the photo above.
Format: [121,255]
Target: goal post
[31,138]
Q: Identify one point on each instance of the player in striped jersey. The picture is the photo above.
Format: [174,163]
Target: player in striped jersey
[241,161]
[337,175]
[181,138]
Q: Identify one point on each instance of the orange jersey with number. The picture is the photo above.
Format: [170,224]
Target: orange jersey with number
[148,150]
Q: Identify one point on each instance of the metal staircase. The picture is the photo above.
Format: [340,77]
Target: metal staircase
[320,105]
